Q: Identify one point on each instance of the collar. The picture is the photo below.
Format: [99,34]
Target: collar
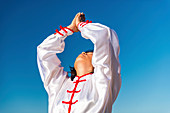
[85,76]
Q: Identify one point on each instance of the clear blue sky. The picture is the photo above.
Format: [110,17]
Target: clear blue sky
[143,28]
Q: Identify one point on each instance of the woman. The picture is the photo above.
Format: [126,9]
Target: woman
[98,80]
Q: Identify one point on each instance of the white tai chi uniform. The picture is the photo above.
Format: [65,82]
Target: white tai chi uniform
[91,93]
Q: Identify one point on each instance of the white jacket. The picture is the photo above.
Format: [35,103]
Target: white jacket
[92,93]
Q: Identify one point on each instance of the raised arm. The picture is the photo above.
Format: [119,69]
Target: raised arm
[49,65]
[52,74]
[105,56]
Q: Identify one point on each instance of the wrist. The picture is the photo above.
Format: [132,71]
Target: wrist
[73,28]
[78,24]
[70,27]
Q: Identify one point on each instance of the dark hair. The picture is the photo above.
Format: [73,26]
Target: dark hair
[88,51]
[73,73]
[72,69]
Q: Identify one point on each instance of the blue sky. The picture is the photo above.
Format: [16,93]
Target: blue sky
[143,30]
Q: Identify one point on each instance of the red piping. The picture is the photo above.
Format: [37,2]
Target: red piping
[58,32]
[63,28]
[82,24]
[69,29]
[87,21]
[74,91]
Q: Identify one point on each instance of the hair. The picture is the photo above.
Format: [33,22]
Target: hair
[73,73]
[72,69]
[88,51]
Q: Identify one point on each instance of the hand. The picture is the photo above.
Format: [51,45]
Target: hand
[77,19]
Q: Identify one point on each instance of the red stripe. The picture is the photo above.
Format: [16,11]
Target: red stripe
[84,75]
[87,21]
[63,29]
[79,81]
[81,23]
[84,24]
[64,102]
[69,29]
[82,80]
[75,102]
[58,32]
[73,91]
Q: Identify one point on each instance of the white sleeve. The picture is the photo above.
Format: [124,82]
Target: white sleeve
[52,74]
[105,56]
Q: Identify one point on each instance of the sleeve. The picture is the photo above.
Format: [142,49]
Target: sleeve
[51,72]
[105,56]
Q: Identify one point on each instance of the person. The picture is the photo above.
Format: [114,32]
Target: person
[98,79]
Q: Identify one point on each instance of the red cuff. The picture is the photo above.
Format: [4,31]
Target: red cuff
[82,24]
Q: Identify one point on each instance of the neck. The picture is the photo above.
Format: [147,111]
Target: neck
[81,73]
[83,70]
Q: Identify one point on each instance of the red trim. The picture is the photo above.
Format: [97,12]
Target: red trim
[63,29]
[58,32]
[84,75]
[74,91]
[79,81]
[82,24]
[69,29]
[87,21]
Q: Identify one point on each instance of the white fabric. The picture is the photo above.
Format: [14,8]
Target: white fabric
[100,89]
